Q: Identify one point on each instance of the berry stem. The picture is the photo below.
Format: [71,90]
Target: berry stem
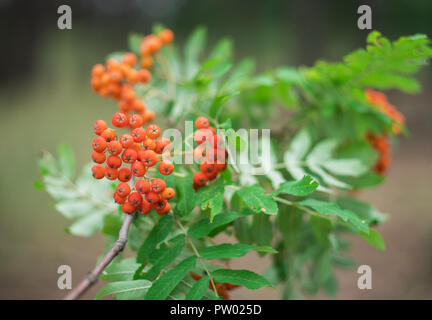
[92,276]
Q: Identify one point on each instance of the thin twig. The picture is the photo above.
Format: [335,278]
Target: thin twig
[93,276]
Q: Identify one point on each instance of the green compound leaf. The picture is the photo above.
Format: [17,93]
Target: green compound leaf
[246,278]
[186,196]
[163,286]
[228,250]
[66,160]
[125,290]
[327,208]
[257,200]
[211,197]
[374,239]
[300,188]
[158,234]
[120,271]
[205,226]
[199,289]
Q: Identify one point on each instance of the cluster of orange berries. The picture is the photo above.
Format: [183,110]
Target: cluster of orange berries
[116,79]
[210,153]
[221,288]
[143,147]
[381,142]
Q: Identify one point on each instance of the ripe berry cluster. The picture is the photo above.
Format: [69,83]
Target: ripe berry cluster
[380,142]
[210,153]
[141,148]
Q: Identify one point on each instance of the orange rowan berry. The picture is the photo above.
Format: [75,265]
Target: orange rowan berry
[124,174]
[138,169]
[136,121]
[145,207]
[168,193]
[123,189]
[166,36]
[99,144]
[109,134]
[118,198]
[98,171]
[220,166]
[127,207]
[129,59]
[162,145]
[128,93]
[158,185]
[207,168]
[202,123]
[126,140]
[142,186]
[150,44]
[152,197]
[119,120]
[96,84]
[138,134]
[211,175]
[200,179]
[133,76]
[124,106]
[129,155]
[110,173]
[114,162]
[135,198]
[149,116]
[159,205]
[146,62]
[98,157]
[199,154]
[98,70]
[166,167]
[99,127]
[149,144]
[153,131]
[139,106]
[148,157]
[105,79]
[202,136]
[116,76]
[165,210]
[144,76]
[115,147]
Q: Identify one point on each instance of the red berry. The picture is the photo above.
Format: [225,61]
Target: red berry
[114,162]
[168,193]
[129,59]
[200,179]
[165,210]
[136,121]
[158,185]
[166,167]
[160,204]
[162,145]
[152,197]
[135,198]
[148,157]
[149,144]
[99,127]
[138,169]
[110,173]
[123,189]
[98,171]
[145,207]
[126,140]
[98,157]
[119,120]
[153,131]
[99,144]
[203,135]
[166,36]
[124,174]
[129,155]
[109,134]
[138,134]
[202,123]
[207,168]
[115,147]
[118,198]
[142,186]
[127,207]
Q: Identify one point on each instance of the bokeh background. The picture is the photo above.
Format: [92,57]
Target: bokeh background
[45,98]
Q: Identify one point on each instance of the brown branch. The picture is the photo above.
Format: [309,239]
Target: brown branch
[93,276]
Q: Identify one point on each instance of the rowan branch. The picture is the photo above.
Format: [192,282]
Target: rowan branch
[92,276]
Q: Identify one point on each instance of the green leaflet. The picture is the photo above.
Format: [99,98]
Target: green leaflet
[162,287]
[185,195]
[374,239]
[120,271]
[257,200]
[158,234]
[205,226]
[211,197]
[199,289]
[125,290]
[327,208]
[246,278]
[66,160]
[299,188]
[228,250]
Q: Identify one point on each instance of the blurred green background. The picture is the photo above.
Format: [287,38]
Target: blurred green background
[46,99]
